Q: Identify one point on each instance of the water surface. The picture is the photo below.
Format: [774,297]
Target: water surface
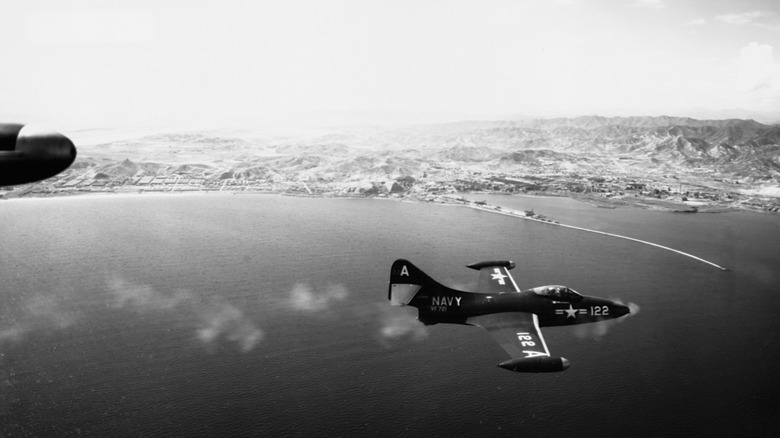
[267,315]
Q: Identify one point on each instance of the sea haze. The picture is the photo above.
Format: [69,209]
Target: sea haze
[240,315]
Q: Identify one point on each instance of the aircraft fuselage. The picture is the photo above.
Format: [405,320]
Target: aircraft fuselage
[456,308]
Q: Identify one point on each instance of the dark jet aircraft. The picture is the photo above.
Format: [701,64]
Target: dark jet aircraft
[28,155]
[513,317]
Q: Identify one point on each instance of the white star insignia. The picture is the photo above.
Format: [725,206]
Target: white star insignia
[571,312]
[498,276]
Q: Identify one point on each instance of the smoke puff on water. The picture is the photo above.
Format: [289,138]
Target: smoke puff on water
[144,297]
[395,324]
[223,320]
[398,326]
[214,320]
[217,319]
[38,312]
[50,308]
[13,333]
[401,326]
[303,297]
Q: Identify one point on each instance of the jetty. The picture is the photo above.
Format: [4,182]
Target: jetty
[521,215]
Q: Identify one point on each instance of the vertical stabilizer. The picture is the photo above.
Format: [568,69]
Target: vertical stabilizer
[406,280]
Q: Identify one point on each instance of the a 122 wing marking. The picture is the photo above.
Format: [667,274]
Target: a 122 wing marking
[517,333]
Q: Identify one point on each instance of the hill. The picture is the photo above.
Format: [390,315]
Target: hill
[704,151]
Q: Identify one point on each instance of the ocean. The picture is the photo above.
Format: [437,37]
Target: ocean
[264,315]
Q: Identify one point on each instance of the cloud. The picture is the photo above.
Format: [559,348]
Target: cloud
[102,26]
[547,3]
[650,4]
[750,18]
[216,319]
[697,22]
[744,18]
[757,69]
[304,298]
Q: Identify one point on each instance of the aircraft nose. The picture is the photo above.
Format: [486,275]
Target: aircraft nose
[620,310]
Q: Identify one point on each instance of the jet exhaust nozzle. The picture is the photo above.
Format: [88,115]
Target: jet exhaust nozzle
[542,364]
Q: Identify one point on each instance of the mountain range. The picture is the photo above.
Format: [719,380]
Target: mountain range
[737,149]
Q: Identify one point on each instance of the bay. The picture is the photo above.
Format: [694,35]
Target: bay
[247,315]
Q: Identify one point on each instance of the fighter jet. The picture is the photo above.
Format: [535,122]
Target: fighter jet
[28,154]
[513,317]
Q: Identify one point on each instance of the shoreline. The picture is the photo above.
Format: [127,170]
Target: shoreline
[104,195]
[668,203]
[441,200]
[607,203]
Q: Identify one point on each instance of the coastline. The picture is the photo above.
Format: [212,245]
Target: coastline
[443,200]
[106,195]
[600,202]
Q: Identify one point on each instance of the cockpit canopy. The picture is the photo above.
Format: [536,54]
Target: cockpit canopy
[556,292]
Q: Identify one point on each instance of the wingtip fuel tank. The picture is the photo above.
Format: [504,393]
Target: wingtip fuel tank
[29,153]
[541,364]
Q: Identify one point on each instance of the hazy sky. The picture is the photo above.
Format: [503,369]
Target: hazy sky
[97,63]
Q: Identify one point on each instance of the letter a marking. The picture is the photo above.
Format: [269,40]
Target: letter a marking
[530,353]
[404,271]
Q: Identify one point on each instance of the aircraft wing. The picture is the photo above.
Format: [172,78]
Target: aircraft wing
[494,277]
[519,335]
[516,332]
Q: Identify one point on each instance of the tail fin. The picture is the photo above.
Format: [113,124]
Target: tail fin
[408,281]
